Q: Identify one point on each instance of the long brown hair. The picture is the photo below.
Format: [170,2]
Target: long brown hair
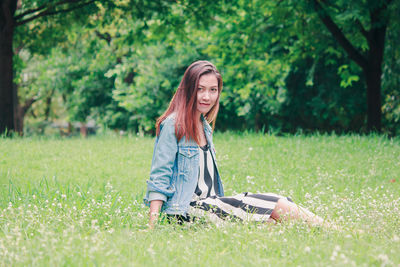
[184,102]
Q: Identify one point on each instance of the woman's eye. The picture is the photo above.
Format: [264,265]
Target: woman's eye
[214,89]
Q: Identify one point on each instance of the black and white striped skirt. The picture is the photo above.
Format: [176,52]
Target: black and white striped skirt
[244,207]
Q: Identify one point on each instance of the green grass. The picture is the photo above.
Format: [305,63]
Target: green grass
[79,202]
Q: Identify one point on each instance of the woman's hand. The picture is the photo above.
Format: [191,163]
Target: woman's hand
[155,207]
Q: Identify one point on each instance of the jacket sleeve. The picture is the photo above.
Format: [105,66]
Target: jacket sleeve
[164,156]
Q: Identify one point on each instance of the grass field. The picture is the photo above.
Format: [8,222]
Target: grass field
[79,202]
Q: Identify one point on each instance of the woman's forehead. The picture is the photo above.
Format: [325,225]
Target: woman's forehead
[207,80]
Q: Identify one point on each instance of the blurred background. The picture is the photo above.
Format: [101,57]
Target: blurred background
[73,67]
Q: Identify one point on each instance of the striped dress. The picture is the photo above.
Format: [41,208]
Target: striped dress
[244,207]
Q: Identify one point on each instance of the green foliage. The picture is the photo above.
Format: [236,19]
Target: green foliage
[282,69]
[391,77]
[253,73]
[157,70]
[76,76]
[323,104]
[40,35]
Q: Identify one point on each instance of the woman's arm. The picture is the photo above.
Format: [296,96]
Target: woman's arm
[164,157]
[159,187]
[155,207]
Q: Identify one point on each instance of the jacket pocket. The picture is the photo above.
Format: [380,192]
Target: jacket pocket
[187,157]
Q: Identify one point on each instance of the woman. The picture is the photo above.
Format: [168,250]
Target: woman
[184,179]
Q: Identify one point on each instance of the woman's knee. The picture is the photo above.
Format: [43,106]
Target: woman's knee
[283,205]
[285,208]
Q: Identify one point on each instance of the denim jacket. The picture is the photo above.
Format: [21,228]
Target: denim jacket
[175,169]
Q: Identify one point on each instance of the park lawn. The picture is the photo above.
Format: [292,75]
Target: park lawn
[79,202]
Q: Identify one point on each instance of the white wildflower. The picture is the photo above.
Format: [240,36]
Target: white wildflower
[249,179]
[384,258]
[109,186]
[334,255]
[151,250]
[335,252]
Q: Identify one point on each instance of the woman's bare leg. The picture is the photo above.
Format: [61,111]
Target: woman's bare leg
[286,210]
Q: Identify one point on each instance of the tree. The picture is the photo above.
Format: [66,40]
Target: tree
[253,70]
[14,14]
[359,31]
[369,56]
[149,71]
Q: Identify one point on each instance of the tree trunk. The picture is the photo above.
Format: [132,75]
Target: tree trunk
[48,105]
[6,75]
[19,115]
[374,99]
[373,71]
[83,130]
[19,120]
[372,64]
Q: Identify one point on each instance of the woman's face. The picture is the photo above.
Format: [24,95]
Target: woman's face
[207,93]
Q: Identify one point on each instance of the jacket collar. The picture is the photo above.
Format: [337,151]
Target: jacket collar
[206,126]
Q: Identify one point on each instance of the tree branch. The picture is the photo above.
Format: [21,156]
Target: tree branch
[28,103]
[48,104]
[328,3]
[362,29]
[105,36]
[339,36]
[45,6]
[49,12]
[19,16]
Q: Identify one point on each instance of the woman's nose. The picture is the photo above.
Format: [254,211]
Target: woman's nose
[206,95]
